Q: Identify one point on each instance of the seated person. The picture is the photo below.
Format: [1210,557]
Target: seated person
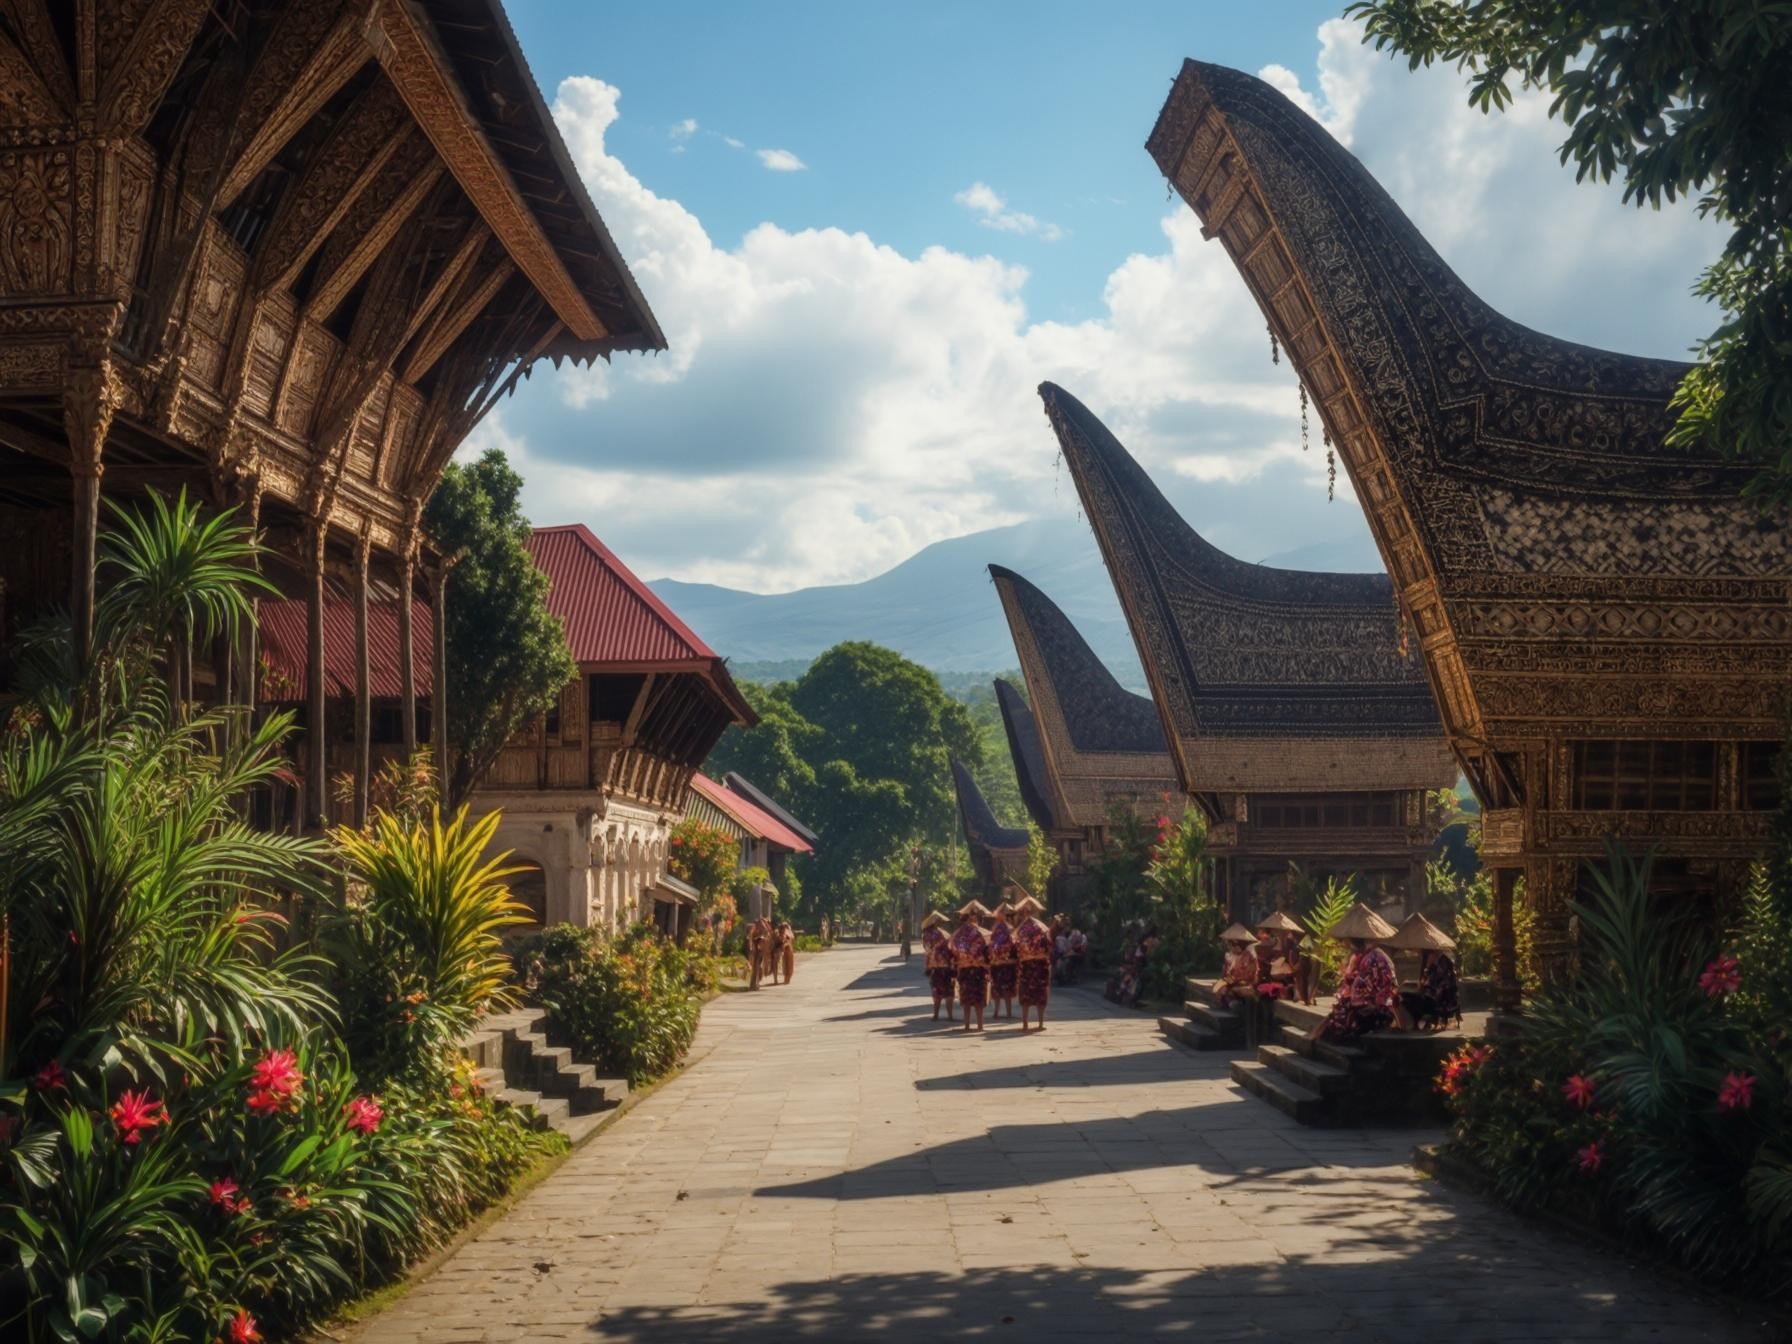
[1079,952]
[1436,1003]
[1241,971]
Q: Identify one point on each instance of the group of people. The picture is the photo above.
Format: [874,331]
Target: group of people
[1280,959]
[993,957]
[1070,949]
[771,950]
[1128,980]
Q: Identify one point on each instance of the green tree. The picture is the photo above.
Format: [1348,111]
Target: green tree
[1674,100]
[775,753]
[507,654]
[995,775]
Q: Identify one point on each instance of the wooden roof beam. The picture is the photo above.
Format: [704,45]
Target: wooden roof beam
[425,79]
[453,319]
[30,20]
[352,265]
[152,56]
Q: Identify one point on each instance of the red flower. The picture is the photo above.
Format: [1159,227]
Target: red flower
[242,1329]
[364,1114]
[1589,1158]
[50,1077]
[274,1083]
[267,1103]
[134,1112]
[1737,1093]
[224,1194]
[1579,1091]
[1723,975]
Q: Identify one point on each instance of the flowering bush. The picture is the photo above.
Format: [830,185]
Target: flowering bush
[629,1002]
[1647,1094]
[703,856]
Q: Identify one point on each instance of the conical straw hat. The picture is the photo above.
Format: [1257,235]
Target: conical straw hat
[1239,934]
[1362,922]
[1281,923]
[1419,934]
[1027,905]
[934,920]
[973,908]
[1004,910]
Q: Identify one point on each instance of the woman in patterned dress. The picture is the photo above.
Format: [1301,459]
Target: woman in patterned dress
[787,949]
[1004,962]
[1367,989]
[939,961]
[1033,947]
[970,959]
[1239,973]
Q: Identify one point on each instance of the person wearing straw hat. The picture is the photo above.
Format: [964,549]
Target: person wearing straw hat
[1239,972]
[1367,989]
[1437,1001]
[970,961]
[1291,957]
[939,961]
[1004,960]
[1033,948]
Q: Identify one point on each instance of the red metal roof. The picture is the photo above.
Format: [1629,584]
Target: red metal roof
[612,618]
[282,624]
[752,818]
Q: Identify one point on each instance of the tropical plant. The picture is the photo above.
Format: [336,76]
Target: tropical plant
[1183,906]
[1042,861]
[1325,906]
[705,856]
[416,938]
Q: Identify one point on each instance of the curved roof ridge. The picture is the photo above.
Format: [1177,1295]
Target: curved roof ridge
[1029,758]
[980,824]
[1100,713]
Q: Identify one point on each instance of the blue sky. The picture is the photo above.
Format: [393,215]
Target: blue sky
[895,109]
[870,231]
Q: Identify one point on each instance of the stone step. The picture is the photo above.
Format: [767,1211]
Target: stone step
[1348,1057]
[485,1049]
[491,1081]
[1223,1021]
[547,1060]
[1191,1034]
[579,1127]
[542,1111]
[1286,1095]
[1328,1080]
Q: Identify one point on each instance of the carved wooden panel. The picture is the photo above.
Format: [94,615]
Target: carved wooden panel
[268,345]
[37,221]
[314,353]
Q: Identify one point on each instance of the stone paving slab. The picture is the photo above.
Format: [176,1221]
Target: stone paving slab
[837,1167]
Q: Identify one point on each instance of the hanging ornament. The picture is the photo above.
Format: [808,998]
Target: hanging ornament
[1331,473]
[1404,647]
[1275,351]
[1303,417]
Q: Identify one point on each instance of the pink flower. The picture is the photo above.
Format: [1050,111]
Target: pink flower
[50,1078]
[1737,1093]
[1589,1158]
[134,1112]
[223,1194]
[242,1329]
[274,1083]
[1723,975]
[364,1114]
[1579,1091]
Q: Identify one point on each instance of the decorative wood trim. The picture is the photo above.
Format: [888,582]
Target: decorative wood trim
[30,19]
[147,65]
[452,319]
[25,100]
[409,54]
[333,288]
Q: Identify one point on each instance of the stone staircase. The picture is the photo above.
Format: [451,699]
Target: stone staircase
[517,1066]
[1204,1024]
[1386,1079]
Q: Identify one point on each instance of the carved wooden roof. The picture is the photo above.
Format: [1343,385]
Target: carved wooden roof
[981,829]
[1567,569]
[1100,744]
[1267,678]
[1030,771]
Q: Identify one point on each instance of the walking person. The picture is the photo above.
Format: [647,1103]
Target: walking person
[938,950]
[787,949]
[1033,950]
[768,947]
[970,960]
[755,952]
[1004,962]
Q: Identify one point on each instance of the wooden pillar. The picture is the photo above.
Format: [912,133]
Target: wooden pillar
[407,650]
[438,671]
[1550,884]
[1506,993]
[1415,885]
[248,675]
[363,691]
[90,398]
[317,793]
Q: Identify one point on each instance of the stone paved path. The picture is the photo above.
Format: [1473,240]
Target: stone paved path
[835,1167]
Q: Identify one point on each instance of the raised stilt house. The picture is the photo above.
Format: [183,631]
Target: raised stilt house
[1085,747]
[1601,614]
[1292,715]
[591,791]
[998,853]
[285,254]
[766,840]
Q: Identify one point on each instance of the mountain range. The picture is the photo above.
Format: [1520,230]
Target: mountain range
[939,608]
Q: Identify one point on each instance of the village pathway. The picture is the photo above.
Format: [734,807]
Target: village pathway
[836,1167]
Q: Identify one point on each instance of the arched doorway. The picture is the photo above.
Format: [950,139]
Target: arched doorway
[530,888]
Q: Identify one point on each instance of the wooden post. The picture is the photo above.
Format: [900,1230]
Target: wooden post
[1506,993]
[1415,886]
[407,651]
[248,686]
[317,793]
[438,671]
[363,694]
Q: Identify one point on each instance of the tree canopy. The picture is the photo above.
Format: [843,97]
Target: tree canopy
[1673,99]
[507,654]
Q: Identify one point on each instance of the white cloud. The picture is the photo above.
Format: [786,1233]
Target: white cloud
[781,161]
[993,213]
[685,129]
[828,404]
[732,143]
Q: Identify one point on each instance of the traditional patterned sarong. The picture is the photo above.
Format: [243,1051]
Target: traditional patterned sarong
[1033,945]
[1004,962]
[939,963]
[1365,1001]
[970,956]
